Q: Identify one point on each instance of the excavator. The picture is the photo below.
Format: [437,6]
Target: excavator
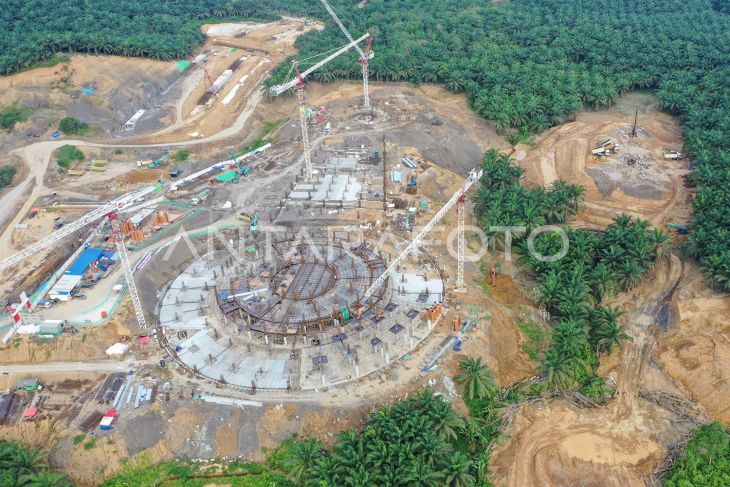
[680,229]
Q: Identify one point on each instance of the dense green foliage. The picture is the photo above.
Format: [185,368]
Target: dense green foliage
[573,287]
[26,467]
[35,30]
[531,64]
[419,442]
[73,126]
[181,473]
[706,460]
[67,155]
[524,64]
[12,114]
[6,175]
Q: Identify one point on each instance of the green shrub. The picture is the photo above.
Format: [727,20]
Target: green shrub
[73,126]
[535,339]
[12,114]
[6,175]
[181,155]
[79,438]
[596,390]
[68,154]
[706,460]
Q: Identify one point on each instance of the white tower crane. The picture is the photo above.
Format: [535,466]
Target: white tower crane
[118,236]
[303,122]
[299,82]
[364,56]
[107,210]
[474,176]
[461,217]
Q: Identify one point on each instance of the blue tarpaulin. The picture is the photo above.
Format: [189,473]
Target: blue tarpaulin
[86,258]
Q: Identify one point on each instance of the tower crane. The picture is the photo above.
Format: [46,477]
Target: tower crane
[461,217]
[279,89]
[473,177]
[109,210]
[303,122]
[299,82]
[364,56]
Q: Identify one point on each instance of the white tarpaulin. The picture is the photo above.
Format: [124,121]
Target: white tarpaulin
[117,349]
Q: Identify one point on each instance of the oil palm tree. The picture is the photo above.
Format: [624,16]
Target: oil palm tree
[476,378]
[456,472]
[446,421]
[45,478]
[558,370]
[301,457]
[610,335]
[421,474]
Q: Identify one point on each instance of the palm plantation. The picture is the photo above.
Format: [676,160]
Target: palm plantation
[25,467]
[418,442]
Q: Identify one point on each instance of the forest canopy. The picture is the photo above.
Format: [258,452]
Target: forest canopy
[526,65]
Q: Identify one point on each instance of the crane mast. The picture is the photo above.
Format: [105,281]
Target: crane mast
[118,236]
[299,83]
[461,217]
[473,177]
[109,210]
[303,122]
[364,56]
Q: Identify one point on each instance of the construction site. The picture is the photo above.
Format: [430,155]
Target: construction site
[308,255]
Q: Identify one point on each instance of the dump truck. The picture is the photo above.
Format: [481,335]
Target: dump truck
[605,148]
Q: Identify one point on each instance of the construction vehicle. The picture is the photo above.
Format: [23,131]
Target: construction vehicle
[202,196]
[243,169]
[680,229]
[157,162]
[108,210]
[605,148]
[672,154]
[243,216]
[254,222]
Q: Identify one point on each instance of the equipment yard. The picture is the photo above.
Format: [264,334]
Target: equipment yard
[230,268]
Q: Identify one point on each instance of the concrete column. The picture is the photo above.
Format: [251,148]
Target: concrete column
[285,341]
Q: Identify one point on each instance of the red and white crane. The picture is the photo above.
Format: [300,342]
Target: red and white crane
[365,56]
[108,210]
[298,81]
